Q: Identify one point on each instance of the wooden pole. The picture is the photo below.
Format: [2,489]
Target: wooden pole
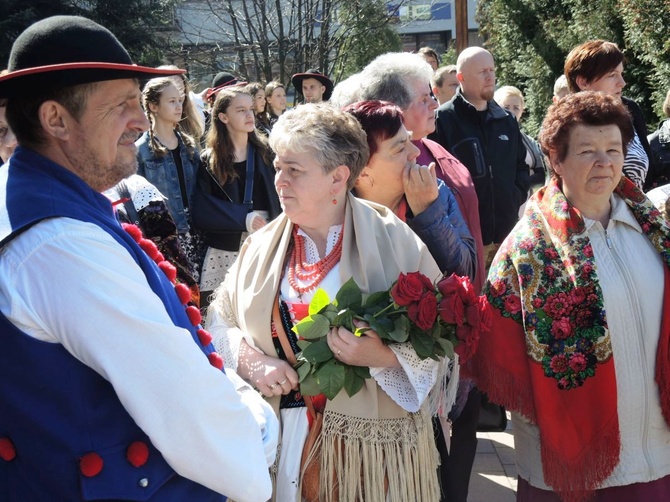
[461,25]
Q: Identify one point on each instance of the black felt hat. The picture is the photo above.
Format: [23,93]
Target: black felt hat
[297,79]
[63,51]
[221,80]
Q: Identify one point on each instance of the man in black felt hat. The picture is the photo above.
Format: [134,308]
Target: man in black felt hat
[109,388]
[313,85]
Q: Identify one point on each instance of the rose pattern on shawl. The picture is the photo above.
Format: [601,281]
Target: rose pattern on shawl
[564,311]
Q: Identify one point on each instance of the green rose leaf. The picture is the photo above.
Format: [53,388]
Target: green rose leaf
[352,381]
[313,327]
[362,371]
[423,345]
[349,296]
[447,346]
[331,378]
[400,331]
[318,352]
[319,301]
[304,370]
[309,386]
[377,301]
[344,318]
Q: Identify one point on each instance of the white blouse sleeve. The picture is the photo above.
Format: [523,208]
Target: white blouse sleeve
[410,384]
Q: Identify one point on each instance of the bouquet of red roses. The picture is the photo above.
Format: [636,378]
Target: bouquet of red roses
[437,319]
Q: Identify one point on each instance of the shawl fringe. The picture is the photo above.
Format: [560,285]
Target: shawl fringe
[442,396]
[377,460]
[576,479]
[501,374]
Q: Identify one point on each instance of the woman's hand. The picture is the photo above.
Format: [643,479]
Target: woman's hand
[420,187]
[366,350]
[258,223]
[270,375]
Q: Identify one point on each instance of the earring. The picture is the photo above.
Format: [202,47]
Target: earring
[334,201]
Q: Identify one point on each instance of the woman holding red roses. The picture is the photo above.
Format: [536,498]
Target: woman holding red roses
[377,445]
[580,343]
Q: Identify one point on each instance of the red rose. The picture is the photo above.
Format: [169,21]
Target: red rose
[485,315]
[424,313]
[472,315]
[513,304]
[452,310]
[466,291]
[409,288]
[468,341]
[449,285]
[561,328]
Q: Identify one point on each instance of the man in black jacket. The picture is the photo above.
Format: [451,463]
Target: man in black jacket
[487,140]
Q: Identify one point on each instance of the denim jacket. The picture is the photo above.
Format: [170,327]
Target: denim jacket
[162,173]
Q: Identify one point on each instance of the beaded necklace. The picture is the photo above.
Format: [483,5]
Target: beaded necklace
[311,273]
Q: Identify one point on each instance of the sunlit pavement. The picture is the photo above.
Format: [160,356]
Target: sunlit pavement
[493,476]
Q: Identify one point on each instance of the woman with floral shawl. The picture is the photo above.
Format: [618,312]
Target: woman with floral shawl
[579,349]
[377,445]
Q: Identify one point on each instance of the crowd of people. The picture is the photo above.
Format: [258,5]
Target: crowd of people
[158,247]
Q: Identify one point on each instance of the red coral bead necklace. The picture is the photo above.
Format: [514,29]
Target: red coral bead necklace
[310,273]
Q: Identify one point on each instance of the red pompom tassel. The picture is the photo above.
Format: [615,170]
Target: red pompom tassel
[215,360]
[169,270]
[137,453]
[91,464]
[204,336]
[183,292]
[7,450]
[149,247]
[159,257]
[133,231]
[193,314]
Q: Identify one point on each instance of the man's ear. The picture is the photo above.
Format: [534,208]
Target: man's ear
[55,120]
[459,77]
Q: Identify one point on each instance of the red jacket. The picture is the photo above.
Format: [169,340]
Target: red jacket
[457,177]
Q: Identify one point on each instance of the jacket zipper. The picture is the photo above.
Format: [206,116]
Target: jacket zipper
[633,301]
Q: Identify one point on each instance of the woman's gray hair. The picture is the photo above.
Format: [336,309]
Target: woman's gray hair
[389,77]
[347,92]
[334,138]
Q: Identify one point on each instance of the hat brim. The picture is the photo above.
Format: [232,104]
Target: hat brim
[21,82]
[214,91]
[297,79]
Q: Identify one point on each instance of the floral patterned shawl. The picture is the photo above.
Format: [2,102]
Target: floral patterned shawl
[549,355]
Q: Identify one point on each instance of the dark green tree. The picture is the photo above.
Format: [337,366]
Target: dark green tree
[142,26]
[531,38]
[366,33]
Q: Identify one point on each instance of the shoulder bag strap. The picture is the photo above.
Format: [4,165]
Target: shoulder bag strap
[251,167]
[288,351]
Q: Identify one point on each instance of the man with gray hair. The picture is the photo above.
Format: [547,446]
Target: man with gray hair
[404,80]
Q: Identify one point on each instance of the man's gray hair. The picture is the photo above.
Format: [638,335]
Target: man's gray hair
[390,76]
